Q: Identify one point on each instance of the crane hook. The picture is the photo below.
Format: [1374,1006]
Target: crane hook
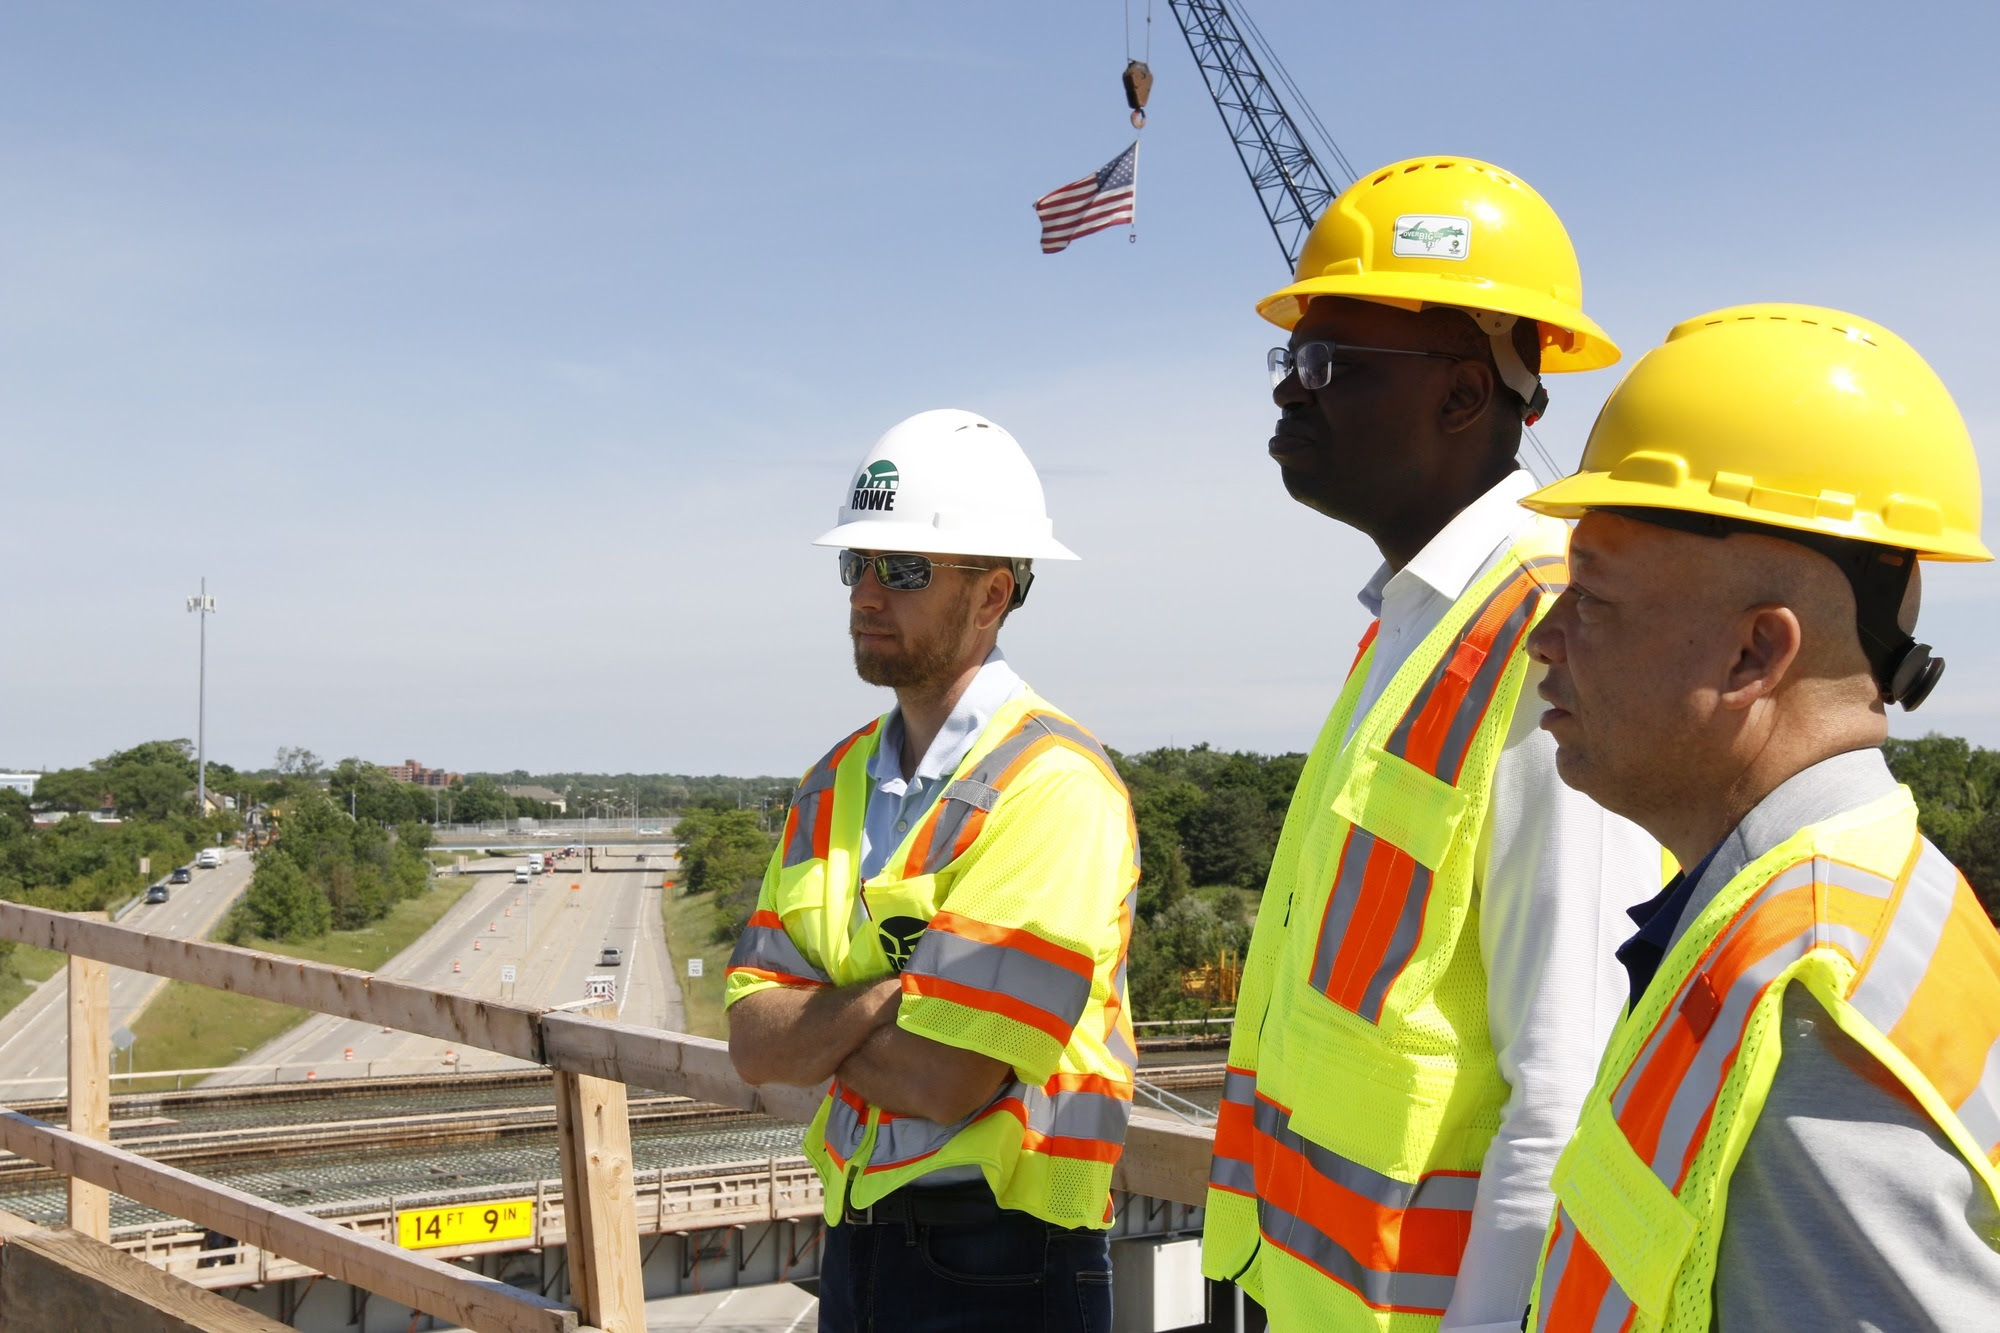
[1138,80]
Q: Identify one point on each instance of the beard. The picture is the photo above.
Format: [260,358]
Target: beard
[916,663]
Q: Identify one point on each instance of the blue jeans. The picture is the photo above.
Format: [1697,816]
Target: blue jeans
[1011,1274]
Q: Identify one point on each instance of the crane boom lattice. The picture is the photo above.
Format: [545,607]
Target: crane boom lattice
[1289,181]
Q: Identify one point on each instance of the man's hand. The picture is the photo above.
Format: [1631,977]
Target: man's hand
[911,1075]
[801,1034]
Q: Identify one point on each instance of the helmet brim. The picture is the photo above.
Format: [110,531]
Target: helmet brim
[1591,347]
[1578,494]
[881,535]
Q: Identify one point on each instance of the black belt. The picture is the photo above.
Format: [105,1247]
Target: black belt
[942,1205]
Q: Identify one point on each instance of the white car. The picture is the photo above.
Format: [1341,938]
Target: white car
[208,858]
[520,874]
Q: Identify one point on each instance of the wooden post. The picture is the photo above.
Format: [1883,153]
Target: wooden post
[600,1208]
[89,1085]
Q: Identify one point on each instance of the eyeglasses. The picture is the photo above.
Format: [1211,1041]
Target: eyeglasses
[897,571]
[1313,362]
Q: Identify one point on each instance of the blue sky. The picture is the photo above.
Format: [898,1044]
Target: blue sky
[496,362]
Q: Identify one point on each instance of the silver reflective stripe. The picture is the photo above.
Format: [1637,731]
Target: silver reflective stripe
[974,793]
[1352,1176]
[1909,940]
[995,967]
[1239,1087]
[1340,904]
[772,950]
[1232,1173]
[1076,1114]
[1792,878]
[1485,684]
[845,1128]
[1699,1086]
[907,1137]
[1981,1108]
[1843,876]
[1408,1291]
[805,813]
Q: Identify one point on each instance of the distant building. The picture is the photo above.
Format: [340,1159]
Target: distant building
[416,774]
[542,794]
[20,782]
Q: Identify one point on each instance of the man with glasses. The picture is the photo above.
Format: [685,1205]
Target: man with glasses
[942,930]
[1431,977]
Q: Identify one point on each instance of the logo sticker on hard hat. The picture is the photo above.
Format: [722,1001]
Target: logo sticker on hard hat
[875,488]
[1433,236]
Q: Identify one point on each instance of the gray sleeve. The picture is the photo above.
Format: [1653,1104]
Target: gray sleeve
[1849,1208]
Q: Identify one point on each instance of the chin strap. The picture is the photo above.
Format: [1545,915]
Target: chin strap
[1514,372]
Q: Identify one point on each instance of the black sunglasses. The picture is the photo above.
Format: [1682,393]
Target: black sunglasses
[898,571]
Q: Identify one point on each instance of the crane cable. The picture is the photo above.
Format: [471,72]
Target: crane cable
[1146,58]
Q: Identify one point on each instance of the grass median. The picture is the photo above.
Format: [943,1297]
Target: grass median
[199,1027]
[24,968]
[690,926]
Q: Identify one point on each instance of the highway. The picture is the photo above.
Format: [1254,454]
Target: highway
[34,1036]
[548,932]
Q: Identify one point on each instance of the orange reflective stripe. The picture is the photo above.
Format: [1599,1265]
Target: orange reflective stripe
[1367,642]
[1396,1245]
[1952,1024]
[1389,876]
[809,824]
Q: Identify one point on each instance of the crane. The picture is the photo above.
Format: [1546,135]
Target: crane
[1291,185]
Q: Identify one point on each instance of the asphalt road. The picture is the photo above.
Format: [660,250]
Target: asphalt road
[34,1035]
[547,931]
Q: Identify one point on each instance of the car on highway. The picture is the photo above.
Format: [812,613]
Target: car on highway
[208,858]
[157,894]
[610,957]
[181,875]
[520,874]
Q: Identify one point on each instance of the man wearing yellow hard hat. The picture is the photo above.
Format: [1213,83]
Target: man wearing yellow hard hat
[1430,981]
[1797,1122]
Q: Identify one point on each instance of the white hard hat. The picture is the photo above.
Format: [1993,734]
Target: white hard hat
[948,482]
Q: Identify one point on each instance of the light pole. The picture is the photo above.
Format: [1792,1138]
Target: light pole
[204,606]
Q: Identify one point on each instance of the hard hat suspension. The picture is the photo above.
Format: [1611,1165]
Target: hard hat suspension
[1905,670]
[1514,372]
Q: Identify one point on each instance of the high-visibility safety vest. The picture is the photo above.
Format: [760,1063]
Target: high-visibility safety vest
[1362,1087]
[1887,936]
[1007,911]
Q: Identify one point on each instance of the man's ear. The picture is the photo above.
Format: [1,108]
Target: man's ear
[993,600]
[1769,642]
[1468,397]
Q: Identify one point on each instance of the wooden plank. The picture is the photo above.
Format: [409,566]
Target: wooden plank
[89,1085]
[342,991]
[61,1279]
[422,1283]
[600,1202]
[696,1067]
[1165,1158]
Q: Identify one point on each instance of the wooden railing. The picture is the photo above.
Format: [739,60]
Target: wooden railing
[593,1059]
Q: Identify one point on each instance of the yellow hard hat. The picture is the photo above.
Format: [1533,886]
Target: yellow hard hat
[1792,416]
[1450,231]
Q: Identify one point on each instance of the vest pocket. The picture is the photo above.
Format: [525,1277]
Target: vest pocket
[1402,805]
[1630,1218]
[1359,1099]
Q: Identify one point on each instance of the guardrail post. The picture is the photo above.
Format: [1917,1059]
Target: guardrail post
[600,1208]
[90,1083]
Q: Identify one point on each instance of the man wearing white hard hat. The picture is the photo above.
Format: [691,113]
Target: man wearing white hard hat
[942,930]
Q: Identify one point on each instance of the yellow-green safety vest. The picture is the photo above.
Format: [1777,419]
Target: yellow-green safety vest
[1362,1087]
[1007,911]
[1885,933]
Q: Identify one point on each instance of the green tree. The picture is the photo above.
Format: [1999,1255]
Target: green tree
[283,904]
[724,852]
[480,800]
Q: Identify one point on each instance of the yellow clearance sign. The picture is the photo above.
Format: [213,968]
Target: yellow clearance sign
[465,1224]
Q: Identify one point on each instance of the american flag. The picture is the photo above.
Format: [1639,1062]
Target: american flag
[1102,199]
